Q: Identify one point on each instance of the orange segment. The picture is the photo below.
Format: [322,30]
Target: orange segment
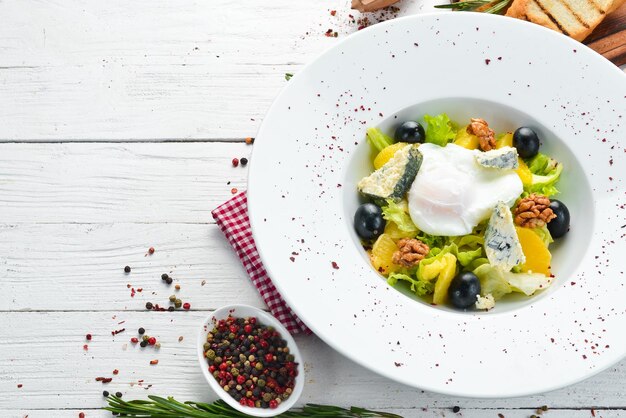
[466,140]
[386,153]
[505,140]
[382,255]
[537,254]
[524,173]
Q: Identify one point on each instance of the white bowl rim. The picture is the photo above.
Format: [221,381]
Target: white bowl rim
[479,17]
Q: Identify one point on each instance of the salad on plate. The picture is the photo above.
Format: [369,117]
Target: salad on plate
[460,215]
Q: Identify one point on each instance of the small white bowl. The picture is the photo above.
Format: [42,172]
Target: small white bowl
[267,320]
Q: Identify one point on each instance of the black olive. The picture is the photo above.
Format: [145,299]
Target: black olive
[526,141]
[464,289]
[411,132]
[368,221]
[559,225]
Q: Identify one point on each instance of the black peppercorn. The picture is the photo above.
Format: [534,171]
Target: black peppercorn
[127,269]
[143,343]
[169,280]
[118,394]
[456,409]
[149,305]
[243,162]
[171,309]
[141,331]
[105,394]
[164,276]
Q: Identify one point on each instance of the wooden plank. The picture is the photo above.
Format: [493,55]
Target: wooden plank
[45,354]
[80,267]
[609,38]
[132,182]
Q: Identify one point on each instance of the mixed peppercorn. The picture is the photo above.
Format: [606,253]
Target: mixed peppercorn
[251,362]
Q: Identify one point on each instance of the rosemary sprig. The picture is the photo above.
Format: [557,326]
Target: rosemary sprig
[158,407]
[485,6]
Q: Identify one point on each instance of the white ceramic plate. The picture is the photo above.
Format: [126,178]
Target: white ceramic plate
[311,151]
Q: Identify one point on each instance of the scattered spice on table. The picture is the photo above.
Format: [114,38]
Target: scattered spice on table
[88,337]
[118,331]
[127,269]
[186,306]
[251,361]
[154,362]
[104,379]
[151,250]
[235,162]
[118,394]
[250,140]
[177,287]
[19,386]
[456,409]
[141,331]
[244,162]
[85,347]
[81,415]
[180,339]
[105,393]
[233,190]
[115,371]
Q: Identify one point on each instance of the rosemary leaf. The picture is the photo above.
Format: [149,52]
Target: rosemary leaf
[158,407]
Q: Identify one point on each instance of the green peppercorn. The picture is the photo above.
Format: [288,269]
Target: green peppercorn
[210,354]
[173,298]
[145,338]
[206,346]
[226,388]
[251,357]
[288,391]
[290,357]
[260,383]
[234,372]
[284,396]
[238,387]
[257,403]
[217,359]
[249,394]
[178,303]
[267,397]
[259,366]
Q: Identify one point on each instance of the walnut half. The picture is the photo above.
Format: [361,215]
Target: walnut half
[486,135]
[410,252]
[533,211]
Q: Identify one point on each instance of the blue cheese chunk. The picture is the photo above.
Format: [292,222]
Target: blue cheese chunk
[393,179]
[502,245]
[485,302]
[504,158]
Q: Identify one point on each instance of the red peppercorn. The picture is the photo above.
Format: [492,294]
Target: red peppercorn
[211,369]
[81,415]
[154,362]
[134,340]
[273,404]
[269,358]
[235,162]
[233,329]
[250,403]
[152,341]
[264,344]
[85,347]
[116,371]
[186,306]
[223,366]
[241,379]
[151,250]
[252,320]
[247,329]
[242,401]
[88,336]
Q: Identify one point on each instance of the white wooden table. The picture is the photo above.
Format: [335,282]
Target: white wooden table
[118,122]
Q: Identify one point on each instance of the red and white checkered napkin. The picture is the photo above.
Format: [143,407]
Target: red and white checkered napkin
[232,218]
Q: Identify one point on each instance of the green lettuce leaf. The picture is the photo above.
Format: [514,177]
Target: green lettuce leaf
[440,130]
[397,213]
[419,287]
[492,281]
[527,283]
[546,172]
[377,139]
[466,257]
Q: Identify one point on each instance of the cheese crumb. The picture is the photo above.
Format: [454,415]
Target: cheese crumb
[485,302]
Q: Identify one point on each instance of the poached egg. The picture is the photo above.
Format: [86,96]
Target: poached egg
[452,193]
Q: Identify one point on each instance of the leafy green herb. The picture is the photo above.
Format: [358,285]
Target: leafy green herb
[485,6]
[288,76]
[378,139]
[440,130]
[419,287]
[398,214]
[158,407]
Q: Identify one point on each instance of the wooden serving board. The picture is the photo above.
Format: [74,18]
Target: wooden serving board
[609,38]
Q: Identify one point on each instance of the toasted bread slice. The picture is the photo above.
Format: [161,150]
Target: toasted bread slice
[575,18]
